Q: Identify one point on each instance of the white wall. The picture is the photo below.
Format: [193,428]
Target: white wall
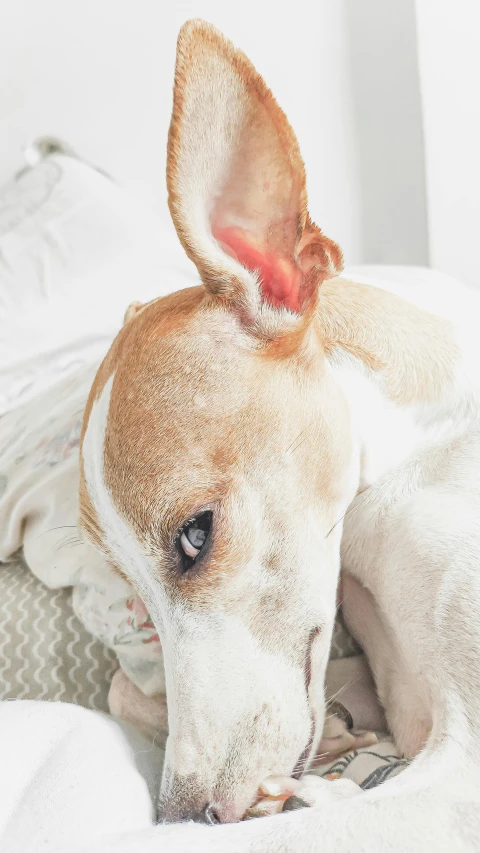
[448,38]
[99,74]
[388,122]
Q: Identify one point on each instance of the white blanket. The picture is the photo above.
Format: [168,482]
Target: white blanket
[71,778]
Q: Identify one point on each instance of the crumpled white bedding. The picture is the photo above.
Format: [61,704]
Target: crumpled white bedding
[72,778]
[75,250]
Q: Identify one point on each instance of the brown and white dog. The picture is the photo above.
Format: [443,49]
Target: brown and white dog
[243,435]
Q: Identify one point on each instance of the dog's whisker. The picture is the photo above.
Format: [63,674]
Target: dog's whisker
[72,542]
[160,732]
[52,529]
[352,508]
[339,692]
[294,446]
[307,764]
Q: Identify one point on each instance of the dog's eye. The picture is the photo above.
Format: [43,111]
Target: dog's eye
[192,537]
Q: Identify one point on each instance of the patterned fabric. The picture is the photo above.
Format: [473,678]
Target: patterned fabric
[367,767]
[45,652]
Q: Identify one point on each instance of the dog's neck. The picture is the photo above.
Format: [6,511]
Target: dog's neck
[397,366]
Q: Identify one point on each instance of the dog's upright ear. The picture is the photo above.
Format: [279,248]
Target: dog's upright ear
[236,185]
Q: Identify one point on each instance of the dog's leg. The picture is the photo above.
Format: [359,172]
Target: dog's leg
[399,693]
[420,622]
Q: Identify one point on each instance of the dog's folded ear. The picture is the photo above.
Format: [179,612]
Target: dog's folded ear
[131,312]
[236,185]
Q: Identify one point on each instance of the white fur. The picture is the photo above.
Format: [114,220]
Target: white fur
[119,536]
[413,540]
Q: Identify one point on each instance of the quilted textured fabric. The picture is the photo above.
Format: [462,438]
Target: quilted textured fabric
[45,652]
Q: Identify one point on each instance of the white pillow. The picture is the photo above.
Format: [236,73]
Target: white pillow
[75,250]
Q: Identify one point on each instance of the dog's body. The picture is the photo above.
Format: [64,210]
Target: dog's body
[233,434]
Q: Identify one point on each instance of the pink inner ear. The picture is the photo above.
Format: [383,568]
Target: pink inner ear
[280,278]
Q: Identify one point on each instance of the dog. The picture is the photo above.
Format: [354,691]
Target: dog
[246,438]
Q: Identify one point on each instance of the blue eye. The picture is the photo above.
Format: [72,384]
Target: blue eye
[192,537]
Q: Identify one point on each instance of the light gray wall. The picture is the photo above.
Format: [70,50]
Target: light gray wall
[389,136]
[99,73]
[448,38]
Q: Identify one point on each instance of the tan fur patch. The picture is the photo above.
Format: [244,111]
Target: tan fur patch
[192,412]
[415,352]
[172,309]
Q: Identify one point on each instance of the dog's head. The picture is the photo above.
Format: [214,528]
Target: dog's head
[216,448]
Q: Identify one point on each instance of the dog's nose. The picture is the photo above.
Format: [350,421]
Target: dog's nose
[186,799]
[207,815]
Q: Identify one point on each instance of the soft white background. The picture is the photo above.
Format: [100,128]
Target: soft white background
[378,137]
[449,56]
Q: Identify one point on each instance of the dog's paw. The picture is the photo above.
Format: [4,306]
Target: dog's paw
[281,793]
[339,735]
[316,792]
[273,793]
